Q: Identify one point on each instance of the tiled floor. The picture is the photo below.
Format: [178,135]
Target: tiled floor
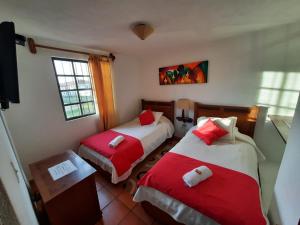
[117,206]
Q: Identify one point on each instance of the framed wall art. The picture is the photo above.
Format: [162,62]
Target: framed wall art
[189,73]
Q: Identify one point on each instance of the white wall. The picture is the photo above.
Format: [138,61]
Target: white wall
[38,125]
[127,87]
[287,187]
[236,67]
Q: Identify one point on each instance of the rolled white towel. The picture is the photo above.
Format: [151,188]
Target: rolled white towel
[196,175]
[116,141]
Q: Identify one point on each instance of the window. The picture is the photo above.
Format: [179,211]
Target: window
[74,84]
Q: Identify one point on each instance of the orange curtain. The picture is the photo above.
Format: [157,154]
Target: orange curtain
[102,76]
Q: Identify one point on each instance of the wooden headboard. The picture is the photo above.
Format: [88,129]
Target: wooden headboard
[246,115]
[166,107]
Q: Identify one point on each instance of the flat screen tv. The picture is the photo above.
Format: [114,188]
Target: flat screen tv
[9,87]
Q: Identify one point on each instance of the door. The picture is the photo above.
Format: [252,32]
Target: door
[13,181]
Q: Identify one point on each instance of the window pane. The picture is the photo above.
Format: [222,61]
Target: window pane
[59,67]
[67,66]
[84,67]
[77,67]
[81,68]
[73,111]
[88,108]
[83,82]
[69,97]
[66,83]
[86,96]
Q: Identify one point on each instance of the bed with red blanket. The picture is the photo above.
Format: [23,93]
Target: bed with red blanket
[231,196]
[139,141]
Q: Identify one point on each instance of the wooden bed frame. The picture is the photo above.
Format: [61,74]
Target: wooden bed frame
[168,108]
[247,117]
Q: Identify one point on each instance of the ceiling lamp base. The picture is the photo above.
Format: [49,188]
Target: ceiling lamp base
[142,30]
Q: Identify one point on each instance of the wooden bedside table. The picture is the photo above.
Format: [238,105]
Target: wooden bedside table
[72,199]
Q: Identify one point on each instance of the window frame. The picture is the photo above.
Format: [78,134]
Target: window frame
[76,89]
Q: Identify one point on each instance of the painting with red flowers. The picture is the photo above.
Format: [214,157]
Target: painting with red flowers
[189,73]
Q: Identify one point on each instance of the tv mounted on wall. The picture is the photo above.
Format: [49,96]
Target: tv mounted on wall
[9,87]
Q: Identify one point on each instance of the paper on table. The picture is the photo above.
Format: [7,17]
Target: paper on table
[62,169]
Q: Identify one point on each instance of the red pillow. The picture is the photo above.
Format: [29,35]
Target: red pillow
[210,132]
[146,117]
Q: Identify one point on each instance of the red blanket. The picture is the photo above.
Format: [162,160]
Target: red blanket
[122,157]
[229,197]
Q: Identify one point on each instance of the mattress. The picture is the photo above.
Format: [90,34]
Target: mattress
[150,137]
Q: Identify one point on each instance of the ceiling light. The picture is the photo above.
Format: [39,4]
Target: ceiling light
[142,30]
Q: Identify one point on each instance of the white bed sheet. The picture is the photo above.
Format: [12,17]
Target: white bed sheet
[150,136]
[240,156]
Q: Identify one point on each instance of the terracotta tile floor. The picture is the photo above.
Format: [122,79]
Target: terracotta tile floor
[117,206]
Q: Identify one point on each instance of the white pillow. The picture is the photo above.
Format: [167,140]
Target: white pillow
[228,124]
[157,116]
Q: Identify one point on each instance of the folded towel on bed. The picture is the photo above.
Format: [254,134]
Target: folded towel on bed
[116,141]
[196,175]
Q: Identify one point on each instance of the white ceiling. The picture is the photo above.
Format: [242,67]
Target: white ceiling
[104,24]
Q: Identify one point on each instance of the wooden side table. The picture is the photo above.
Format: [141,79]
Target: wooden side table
[72,199]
